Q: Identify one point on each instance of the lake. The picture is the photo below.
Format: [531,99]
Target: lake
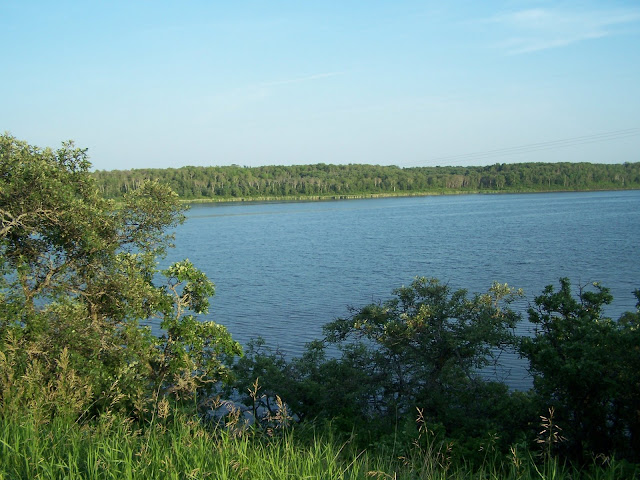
[282,270]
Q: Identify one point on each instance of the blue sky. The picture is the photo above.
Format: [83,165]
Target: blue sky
[407,83]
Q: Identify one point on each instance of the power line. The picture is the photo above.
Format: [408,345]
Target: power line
[530,147]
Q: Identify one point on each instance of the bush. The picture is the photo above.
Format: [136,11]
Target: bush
[421,349]
[587,368]
[78,274]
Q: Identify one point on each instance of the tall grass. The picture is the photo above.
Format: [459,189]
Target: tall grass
[46,434]
[113,448]
[182,447]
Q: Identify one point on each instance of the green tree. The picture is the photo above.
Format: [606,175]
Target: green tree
[586,367]
[428,339]
[79,275]
[628,378]
[423,348]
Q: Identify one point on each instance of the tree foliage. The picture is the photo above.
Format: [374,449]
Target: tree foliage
[427,340]
[423,348]
[586,367]
[79,275]
[335,181]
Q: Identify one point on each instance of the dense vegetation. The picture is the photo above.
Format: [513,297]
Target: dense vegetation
[328,181]
[421,350]
[391,391]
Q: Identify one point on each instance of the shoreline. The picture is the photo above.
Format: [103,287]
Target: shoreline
[329,198]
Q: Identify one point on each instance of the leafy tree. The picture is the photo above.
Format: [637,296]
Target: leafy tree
[423,348]
[427,341]
[79,275]
[586,367]
[626,409]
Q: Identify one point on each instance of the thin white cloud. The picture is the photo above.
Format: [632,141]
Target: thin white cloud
[240,98]
[520,45]
[302,79]
[536,29]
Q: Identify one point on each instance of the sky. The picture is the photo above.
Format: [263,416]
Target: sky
[157,84]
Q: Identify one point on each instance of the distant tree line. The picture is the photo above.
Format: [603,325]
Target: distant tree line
[324,180]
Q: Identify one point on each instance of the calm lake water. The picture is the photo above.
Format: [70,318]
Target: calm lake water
[282,270]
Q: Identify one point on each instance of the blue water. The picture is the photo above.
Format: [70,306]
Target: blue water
[282,270]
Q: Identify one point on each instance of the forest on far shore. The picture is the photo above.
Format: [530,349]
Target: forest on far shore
[336,181]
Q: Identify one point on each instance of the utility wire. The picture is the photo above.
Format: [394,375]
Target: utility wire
[530,147]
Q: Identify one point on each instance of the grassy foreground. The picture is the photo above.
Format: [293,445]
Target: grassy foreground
[181,447]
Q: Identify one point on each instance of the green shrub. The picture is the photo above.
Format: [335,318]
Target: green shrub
[78,274]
